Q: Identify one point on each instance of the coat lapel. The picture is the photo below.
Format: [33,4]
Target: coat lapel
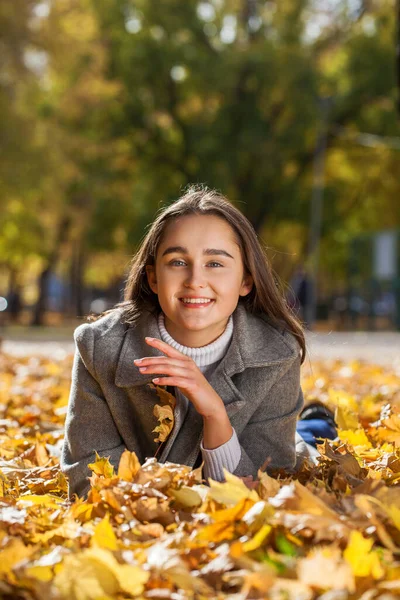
[134,346]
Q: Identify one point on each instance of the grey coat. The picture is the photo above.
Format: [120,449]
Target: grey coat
[111,406]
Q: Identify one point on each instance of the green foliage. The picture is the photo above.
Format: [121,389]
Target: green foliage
[109,108]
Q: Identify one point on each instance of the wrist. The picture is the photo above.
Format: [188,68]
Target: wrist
[217,413]
[217,429]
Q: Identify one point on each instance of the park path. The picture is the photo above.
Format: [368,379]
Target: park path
[379,348]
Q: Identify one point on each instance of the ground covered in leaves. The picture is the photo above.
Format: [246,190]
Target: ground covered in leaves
[156,531]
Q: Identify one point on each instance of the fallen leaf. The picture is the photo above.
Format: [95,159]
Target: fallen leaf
[128,466]
[363,560]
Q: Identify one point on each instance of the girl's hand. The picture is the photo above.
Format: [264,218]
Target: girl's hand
[182,372]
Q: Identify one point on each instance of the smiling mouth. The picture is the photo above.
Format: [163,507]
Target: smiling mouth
[196,304]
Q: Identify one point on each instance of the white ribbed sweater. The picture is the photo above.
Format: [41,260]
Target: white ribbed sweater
[206,358]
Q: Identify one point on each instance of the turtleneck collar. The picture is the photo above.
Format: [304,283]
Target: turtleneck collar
[205,355]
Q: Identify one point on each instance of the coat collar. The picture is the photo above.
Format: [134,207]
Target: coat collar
[255,343]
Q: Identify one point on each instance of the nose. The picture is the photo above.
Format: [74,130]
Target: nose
[195,278]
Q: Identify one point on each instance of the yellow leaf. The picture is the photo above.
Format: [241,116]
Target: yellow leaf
[257,539]
[13,553]
[42,456]
[394,513]
[217,532]
[128,466]
[346,418]
[40,573]
[95,573]
[235,513]
[104,535]
[46,499]
[69,529]
[343,399]
[258,514]
[87,576]
[231,491]
[82,510]
[131,578]
[386,447]
[363,560]
[102,466]
[187,497]
[355,438]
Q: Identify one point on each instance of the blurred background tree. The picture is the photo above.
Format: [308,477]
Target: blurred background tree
[108,109]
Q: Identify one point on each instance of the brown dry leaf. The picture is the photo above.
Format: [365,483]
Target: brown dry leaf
[313,528]
[325,569]
[165,397]
[389,430]
[164,413]
[257,584]
[268,486]
[148,510]
[292,589]
[165,417]
[343,458]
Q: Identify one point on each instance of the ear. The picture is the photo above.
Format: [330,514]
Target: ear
[247,285]
[151,278]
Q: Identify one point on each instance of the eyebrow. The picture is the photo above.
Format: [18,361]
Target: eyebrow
[206,251]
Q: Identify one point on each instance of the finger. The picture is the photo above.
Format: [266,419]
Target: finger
[179,382]
[166,348]
[164,369]
[155,360]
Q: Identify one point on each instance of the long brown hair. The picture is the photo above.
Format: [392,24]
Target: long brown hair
[265,296]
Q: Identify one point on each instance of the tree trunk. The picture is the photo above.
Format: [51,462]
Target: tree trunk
[13,296]
[76,307]
[41,304]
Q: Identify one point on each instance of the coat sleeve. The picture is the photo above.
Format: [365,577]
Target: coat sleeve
[89,425]
[264,436]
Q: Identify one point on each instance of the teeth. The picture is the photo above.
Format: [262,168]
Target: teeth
[196,300]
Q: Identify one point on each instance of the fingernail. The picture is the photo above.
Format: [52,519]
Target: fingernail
[149,338]
[138,360]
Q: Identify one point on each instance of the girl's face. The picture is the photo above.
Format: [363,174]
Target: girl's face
[198,258]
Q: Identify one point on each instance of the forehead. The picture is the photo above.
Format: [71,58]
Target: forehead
[199,230]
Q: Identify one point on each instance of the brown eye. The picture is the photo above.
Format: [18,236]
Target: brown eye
[215,263]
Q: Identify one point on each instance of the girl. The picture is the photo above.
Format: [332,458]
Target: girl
[203,316]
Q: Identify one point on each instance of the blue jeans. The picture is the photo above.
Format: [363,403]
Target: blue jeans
[311,430]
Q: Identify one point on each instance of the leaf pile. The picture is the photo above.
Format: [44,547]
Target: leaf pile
[155,531]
